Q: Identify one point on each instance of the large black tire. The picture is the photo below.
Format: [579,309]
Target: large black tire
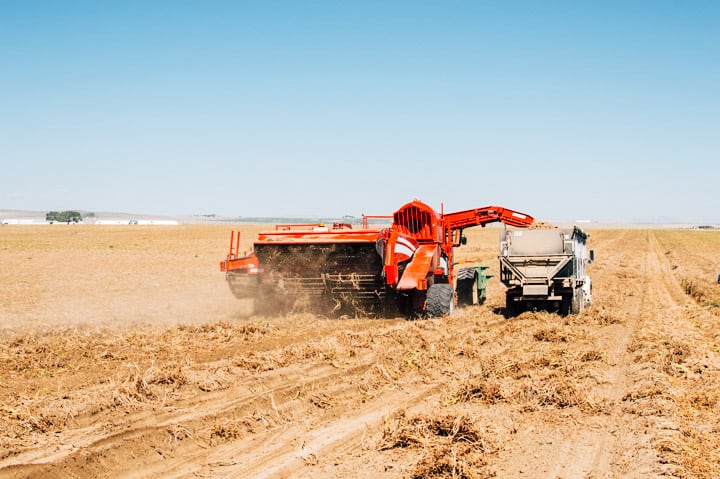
[511,306]
[467,291]
[566,304]
[440,300]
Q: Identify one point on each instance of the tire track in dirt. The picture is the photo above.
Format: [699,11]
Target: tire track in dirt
[618,433]
[660,298]
[655,297]
[137,427]
[674,296]
[617,337]
[672,359]
[286,453]
[96,388]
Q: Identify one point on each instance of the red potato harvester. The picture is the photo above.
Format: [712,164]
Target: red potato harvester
[406,268]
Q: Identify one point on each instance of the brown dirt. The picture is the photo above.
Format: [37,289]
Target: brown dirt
[123,354]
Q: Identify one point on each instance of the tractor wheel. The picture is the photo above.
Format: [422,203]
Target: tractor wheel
[467,291]
[440,300]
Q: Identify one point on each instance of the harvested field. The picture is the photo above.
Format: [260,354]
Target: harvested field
[123,353]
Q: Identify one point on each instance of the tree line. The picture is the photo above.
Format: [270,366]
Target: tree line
[63,217]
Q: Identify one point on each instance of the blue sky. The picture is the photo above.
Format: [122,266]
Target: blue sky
[564,110]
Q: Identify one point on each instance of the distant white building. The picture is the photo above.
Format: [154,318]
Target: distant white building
[112,222]
[23,221]
[158,222]
[138,222]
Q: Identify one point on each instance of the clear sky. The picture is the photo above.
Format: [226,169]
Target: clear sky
[604,110]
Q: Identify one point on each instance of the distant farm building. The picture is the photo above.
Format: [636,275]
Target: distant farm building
[138,222]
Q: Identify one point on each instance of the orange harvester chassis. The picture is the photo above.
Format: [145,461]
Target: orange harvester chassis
[405,268]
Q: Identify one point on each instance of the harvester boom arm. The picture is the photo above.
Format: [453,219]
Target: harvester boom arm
[484,215]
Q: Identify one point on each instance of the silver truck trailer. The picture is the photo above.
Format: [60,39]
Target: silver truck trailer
[545,269]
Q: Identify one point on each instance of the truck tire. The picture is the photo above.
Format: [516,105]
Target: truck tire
[566,304]
[467,291]
[511,306]
[440,300]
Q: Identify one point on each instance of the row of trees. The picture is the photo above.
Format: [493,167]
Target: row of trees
[63,217]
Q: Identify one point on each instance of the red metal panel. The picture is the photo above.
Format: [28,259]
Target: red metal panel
[330,236]
[418,268]
[248,264]
[486,214]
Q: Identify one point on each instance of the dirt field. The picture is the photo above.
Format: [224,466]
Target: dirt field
[123,354]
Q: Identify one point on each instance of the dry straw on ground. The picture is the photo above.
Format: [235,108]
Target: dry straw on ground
[452,446]
[164,338]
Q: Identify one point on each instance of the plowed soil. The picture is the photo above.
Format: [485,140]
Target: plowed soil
[124,354]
